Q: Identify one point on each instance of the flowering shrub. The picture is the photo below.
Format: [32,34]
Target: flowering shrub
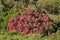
[30,22]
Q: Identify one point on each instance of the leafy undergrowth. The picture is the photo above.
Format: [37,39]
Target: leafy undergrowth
[17,36]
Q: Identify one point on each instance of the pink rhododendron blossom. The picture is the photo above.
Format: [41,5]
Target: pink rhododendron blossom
[10,28]
[25,31]
[29,23]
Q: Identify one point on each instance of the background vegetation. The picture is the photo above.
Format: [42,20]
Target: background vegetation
[10,7]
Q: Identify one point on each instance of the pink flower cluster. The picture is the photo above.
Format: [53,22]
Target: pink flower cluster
[29,23]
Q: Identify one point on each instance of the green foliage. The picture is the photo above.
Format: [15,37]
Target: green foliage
[53,6]
[4,16]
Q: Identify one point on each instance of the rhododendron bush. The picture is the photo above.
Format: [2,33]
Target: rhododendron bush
[30,21]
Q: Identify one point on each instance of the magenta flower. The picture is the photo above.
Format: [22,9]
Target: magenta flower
[25,31]
[11,28]
[31,31]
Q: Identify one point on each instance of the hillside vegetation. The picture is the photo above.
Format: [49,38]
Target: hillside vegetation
[9,8]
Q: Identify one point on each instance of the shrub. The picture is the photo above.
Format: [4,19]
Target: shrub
[30,21]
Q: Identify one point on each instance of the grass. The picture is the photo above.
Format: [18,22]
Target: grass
[17,36]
